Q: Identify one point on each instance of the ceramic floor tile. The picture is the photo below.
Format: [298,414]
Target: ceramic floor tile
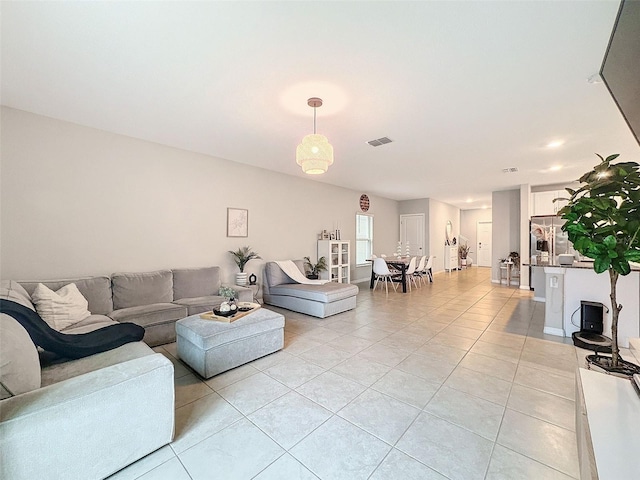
[252,393]
[501,352]
[548,444]
[381,415]
[331,390]
[453,341]
[286,468]
[473,413]
[200,419]
[404,341]
[504,339]
[370,333]
[447,353]
[470,333]
[405,387]
[231,376]
[172,469]
[179,368]
[238,452]
[294,372]
[350,344]
[480,385]
[297,345]
[431,369]
[338,450]
[398,466]
[269,361]
[361,370]
[289,419]
[325,356]
[144,465]
[542,405]
[490,366]
[450,450]
[509,465]
[385,354]
[322,334]
[189,388]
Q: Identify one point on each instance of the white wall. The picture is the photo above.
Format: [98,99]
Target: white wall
[505,227]
[79,201]
[469,227]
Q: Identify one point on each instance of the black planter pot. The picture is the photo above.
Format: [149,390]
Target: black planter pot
[310,276]
[602,362]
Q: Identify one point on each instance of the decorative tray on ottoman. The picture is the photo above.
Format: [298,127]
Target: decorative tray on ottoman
[244,308]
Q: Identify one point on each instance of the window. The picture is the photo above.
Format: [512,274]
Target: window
[364,238]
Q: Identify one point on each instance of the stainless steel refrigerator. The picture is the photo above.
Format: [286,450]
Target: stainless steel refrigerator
[547,242]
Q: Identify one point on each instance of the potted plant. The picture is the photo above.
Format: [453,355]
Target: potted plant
[313,269]
[241,257]
[603,223]
[463,252]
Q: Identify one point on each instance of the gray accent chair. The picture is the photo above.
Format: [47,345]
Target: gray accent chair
[81,419]
[316,300]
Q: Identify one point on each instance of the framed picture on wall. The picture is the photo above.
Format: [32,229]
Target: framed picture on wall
[237,222]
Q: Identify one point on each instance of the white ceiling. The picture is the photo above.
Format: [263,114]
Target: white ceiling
[464,89]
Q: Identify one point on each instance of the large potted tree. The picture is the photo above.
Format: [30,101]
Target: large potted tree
[603,223]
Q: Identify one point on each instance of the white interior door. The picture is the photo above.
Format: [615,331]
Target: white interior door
[483,234]
[412,231]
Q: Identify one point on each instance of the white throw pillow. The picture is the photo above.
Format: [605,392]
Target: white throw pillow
[60,309]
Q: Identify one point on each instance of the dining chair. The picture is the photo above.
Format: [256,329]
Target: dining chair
[381,271]
[411,269]
[428,267]
[420,269]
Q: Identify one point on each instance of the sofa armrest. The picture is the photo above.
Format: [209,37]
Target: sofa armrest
[243,294]
[89,426]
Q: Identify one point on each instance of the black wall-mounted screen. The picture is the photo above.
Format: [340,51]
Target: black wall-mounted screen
[621,65]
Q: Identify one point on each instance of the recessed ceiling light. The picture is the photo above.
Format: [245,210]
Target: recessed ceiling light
[555,168]
[484,207]
[469,200]
[555,144]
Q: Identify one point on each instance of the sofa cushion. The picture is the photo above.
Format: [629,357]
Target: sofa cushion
[63,371]
[149,315]
[275,276]
[92,322]
[327,293]
[200,304]
[195,282]
[12,290]
[60,309]
[97,291]
[136,289]
[19,365]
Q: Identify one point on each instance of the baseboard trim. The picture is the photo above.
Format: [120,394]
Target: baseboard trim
[558,332]
[539,299]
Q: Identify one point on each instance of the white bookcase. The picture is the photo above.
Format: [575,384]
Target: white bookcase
[338,255]
[451,257]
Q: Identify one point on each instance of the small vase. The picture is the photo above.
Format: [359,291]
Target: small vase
[241,278]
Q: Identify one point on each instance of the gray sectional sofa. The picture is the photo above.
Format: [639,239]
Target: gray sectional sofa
[153,300]
[80,419]
[316,300]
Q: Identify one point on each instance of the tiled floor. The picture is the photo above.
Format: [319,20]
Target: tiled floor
[454,380]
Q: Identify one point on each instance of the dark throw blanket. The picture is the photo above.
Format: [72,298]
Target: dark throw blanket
[71,345]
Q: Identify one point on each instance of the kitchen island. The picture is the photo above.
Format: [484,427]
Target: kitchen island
[566,285]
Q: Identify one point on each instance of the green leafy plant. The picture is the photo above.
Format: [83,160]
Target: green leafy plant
[603,223]
[226,292]
[242,256]
[315,268]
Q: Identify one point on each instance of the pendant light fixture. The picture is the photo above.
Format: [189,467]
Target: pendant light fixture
[315,153]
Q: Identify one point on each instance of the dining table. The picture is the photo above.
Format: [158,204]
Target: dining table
[398,263]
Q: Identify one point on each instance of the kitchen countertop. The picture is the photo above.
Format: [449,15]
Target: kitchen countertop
[583,265]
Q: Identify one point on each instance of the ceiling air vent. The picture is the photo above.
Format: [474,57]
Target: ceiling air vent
[379,141]
[510,170]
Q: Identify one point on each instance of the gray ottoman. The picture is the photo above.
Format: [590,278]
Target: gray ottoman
[211,347]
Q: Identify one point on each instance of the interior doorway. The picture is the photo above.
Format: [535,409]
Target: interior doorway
[483,235]
[412,231]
